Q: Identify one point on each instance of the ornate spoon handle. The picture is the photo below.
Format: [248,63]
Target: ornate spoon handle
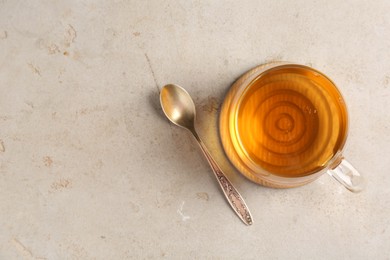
[233,197]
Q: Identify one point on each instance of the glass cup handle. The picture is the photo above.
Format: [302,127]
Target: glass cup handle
[347,175]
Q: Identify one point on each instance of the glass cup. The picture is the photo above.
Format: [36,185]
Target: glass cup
[283,125]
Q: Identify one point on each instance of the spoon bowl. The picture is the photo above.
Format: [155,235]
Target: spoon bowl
[178,106]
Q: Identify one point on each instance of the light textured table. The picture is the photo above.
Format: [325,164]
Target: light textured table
[90,168]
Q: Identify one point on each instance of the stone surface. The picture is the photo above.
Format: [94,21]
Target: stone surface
[90,168]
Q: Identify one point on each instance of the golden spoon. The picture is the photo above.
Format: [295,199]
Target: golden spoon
[180,110]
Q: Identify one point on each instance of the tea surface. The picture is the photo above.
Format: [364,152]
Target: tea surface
[291,121]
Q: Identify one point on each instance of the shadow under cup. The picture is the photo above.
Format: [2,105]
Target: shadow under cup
[283,125]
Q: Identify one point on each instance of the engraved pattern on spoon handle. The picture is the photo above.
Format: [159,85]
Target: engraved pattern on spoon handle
[232,195]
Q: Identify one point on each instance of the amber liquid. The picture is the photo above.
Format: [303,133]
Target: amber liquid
[291,121]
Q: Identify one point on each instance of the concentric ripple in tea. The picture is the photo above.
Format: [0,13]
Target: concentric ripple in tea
[291,121]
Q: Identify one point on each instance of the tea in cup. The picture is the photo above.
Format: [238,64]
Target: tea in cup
[283,125]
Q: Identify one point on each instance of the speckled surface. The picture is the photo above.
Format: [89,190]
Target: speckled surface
[90,168]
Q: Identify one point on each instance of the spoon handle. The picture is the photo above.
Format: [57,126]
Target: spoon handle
[234,198]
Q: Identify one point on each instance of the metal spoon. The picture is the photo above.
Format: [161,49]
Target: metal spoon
[180,110]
